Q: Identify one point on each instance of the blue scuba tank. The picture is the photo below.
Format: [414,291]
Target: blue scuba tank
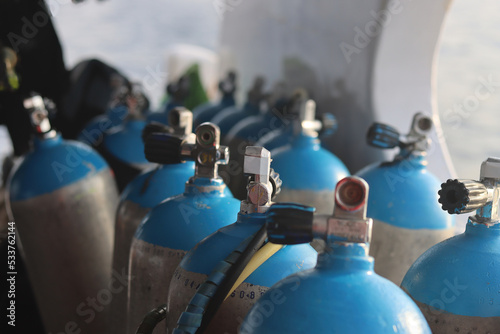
[142,194]
[202,259]
[407,217]
[177,224]
[93,132]
[121,145]
[341,294]
[230,116]
[456,283]
[205,112]
[123,148]
[309,172]
[62,198]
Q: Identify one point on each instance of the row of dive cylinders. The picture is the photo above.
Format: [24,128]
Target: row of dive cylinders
[186,249]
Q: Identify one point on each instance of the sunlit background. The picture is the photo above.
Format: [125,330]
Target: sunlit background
[469,54]
[134,37]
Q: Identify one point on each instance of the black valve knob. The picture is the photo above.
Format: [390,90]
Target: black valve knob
[453,196]
[163,148]
[460,196]
[155,127]
[383,136]
[290,223]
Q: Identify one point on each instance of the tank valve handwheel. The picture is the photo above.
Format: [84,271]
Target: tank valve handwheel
[460,196]
[417,140]
[290,223]
[383,136]
[163,148]
[155,127]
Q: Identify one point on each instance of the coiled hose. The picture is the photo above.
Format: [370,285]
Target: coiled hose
[218,285]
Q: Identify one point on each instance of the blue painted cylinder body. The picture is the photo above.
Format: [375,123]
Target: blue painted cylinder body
[166,234]
[205,112]
[156,184]
[54,163]
[63,198]
[230,116]
[125,143]
[407,216]
[341,294]
[123,148]
[456,283]
[96,129]
[119,140]
[309,173]
[201,260]
[143,193]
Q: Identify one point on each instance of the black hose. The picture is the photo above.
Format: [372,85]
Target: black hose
[232,276]
[231,268]
[153,318]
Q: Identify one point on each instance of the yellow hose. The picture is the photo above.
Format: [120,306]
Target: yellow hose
[261,256]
